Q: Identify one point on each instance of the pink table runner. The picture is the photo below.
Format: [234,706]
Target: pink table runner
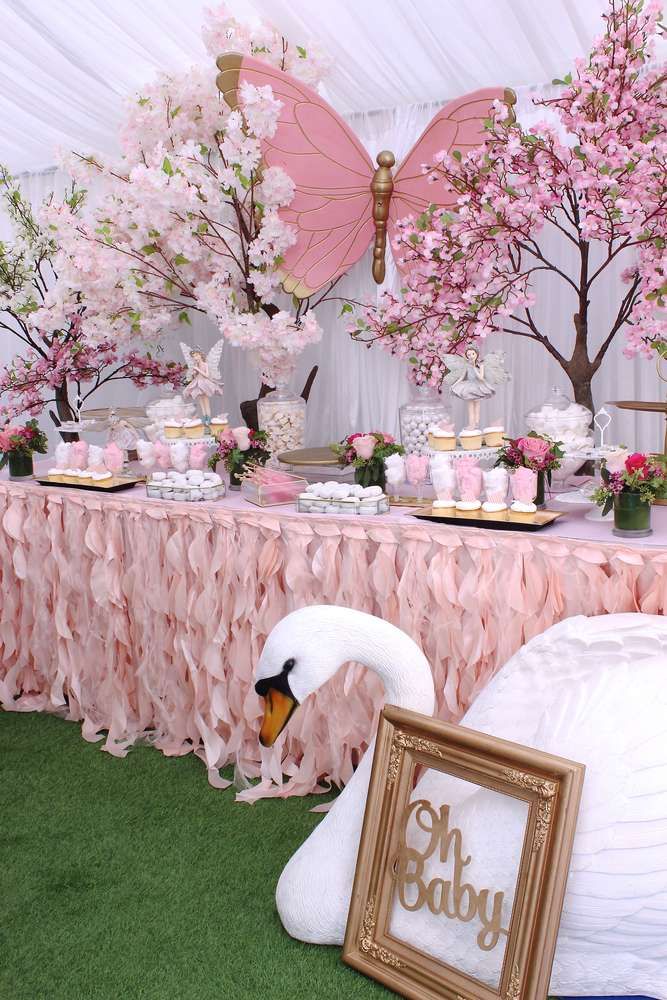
[149,616]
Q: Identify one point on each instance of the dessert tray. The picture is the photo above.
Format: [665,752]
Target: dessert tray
[113,485]
[506,520]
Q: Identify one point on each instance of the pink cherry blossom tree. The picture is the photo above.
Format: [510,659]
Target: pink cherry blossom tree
[59,361]
[189,219]
[598,180]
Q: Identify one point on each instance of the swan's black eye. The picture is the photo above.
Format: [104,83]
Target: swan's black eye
[288,664]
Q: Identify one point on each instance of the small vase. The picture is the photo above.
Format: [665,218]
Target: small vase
[632,515]
[371,474]
[539,496]
[20,465]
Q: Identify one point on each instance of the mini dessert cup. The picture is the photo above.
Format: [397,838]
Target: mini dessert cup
[193,429]
[219,425]
[173,429]
[471,440]
[442,440]
[493,436]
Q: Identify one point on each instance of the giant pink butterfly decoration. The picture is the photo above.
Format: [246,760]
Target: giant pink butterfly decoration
[341,202]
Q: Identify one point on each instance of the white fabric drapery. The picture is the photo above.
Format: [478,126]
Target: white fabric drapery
[508,41]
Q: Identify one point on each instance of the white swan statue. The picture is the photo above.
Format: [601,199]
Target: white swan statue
[591,689]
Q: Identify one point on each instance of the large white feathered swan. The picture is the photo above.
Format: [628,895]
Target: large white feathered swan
[591,689]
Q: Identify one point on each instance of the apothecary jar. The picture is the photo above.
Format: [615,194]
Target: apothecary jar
[426,407]
[282,414]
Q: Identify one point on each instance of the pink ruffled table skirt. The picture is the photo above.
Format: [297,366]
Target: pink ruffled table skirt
[144,619]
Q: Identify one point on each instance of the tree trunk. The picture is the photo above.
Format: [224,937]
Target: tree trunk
[65,412]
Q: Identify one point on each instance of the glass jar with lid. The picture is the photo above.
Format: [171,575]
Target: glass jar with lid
[282,414]
[426,407]
[561,419]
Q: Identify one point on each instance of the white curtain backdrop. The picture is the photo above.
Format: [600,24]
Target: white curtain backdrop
[508,41]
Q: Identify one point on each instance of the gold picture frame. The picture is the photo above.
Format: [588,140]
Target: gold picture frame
[490,786]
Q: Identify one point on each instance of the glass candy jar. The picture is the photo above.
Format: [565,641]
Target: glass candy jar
[282,414]
[416,416]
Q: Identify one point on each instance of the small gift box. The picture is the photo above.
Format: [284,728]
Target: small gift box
[271,487]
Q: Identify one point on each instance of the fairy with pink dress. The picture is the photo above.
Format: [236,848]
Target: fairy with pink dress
[204,374]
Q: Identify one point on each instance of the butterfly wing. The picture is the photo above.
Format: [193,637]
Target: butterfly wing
[495,372]
[213,360]
[459,125]
[332,206]
[187,354]
[456,365]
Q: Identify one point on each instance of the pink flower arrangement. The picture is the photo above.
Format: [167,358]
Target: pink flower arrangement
[358,449]
[636,473]
[239,449]
[21,440]
[536,452]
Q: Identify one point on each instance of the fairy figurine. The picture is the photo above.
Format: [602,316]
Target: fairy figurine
[204,376]
[472,379]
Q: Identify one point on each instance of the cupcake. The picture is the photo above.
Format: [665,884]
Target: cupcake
[193,428]
[493,436]
[470,439]
[442,437]
[173,429]
[219,424]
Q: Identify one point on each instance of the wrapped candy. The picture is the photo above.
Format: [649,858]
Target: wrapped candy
[198,455]
[96,459]
[113,457]
[443,478]
[524,488]
[78,455]
[394,470]
[469,479]
[416,471]
[180,456]
[63,455]
[496,482]
[162,455]
[146,453]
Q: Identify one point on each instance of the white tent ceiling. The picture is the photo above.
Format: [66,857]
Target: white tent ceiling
[65,65]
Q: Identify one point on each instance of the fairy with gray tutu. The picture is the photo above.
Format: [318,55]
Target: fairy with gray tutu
[472,379]
[204,376]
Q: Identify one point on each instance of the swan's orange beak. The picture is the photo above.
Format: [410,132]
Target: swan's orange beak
[278,709]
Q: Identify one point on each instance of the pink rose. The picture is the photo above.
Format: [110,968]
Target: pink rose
[242,438]
[364,446]
[534,448]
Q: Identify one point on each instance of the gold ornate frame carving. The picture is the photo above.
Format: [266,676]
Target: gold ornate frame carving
[551,787]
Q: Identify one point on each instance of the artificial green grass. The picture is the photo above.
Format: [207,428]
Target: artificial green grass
[133,879]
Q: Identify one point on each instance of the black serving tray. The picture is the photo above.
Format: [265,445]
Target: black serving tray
[116,483]
[504,521]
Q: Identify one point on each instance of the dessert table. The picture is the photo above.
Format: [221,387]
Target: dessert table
[143,618]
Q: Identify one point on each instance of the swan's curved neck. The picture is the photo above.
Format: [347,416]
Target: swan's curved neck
[394,657]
